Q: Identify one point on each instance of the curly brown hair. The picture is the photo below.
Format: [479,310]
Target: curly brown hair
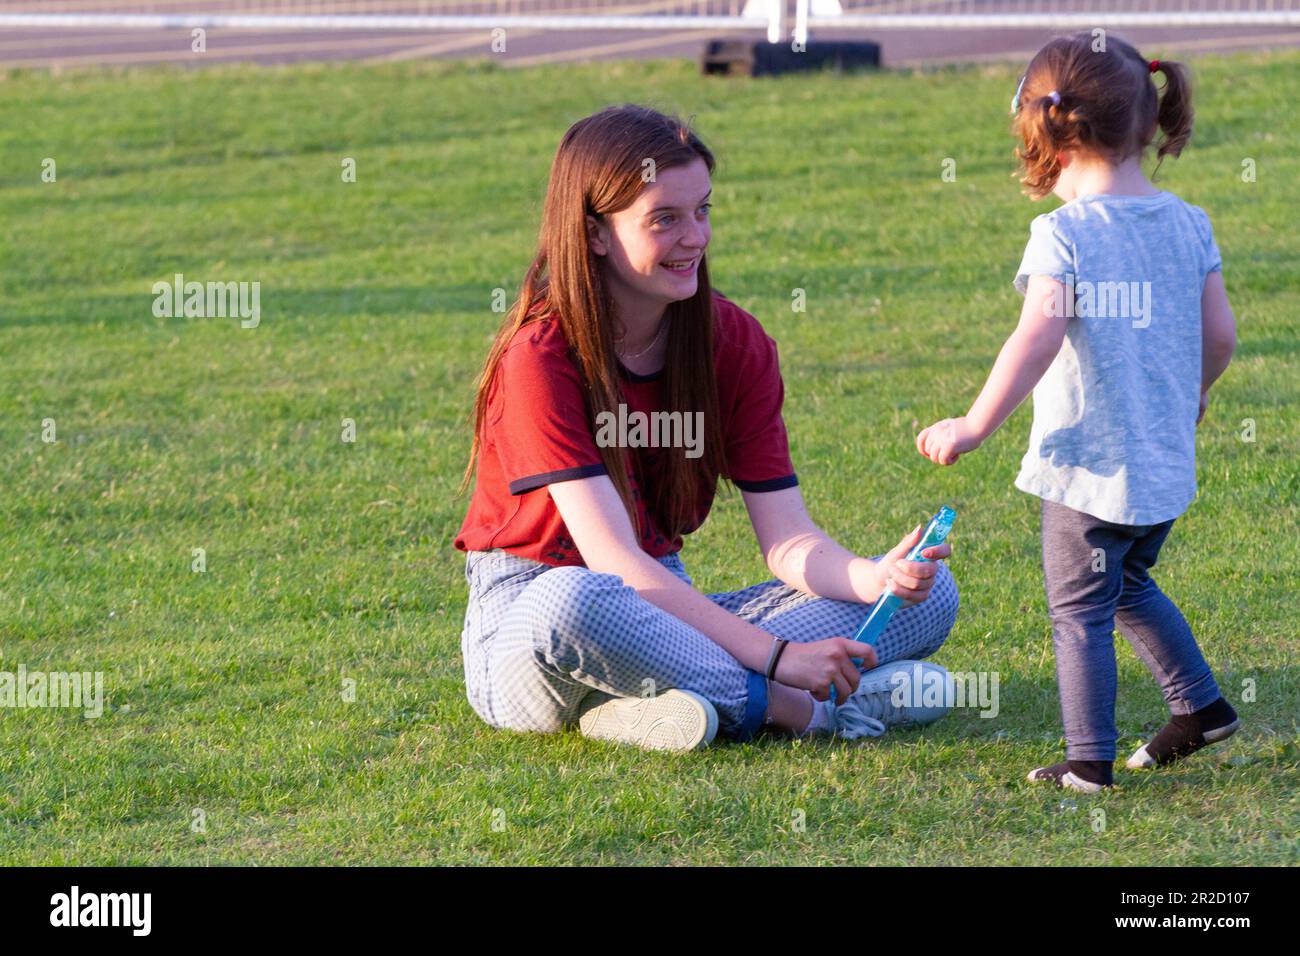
[1106,102]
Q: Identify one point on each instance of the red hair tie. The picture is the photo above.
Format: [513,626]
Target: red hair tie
[1155,65]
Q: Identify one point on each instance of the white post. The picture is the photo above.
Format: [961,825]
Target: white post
[777,20]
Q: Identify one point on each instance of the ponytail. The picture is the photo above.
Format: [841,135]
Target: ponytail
[1175,114]
[1046,127]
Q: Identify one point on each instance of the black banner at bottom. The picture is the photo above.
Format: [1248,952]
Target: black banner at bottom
[918,906]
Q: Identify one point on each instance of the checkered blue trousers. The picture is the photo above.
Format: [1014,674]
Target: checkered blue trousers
[538,639]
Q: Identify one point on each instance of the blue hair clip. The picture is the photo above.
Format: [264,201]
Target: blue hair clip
[1015,100]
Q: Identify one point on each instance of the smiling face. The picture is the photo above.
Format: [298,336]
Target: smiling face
[651,251]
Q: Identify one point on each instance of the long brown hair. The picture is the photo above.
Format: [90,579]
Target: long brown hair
[598,169]
[1108,103]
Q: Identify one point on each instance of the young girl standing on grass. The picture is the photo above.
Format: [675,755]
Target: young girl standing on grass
[1125,327]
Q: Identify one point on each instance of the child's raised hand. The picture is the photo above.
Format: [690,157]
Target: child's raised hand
[946,441]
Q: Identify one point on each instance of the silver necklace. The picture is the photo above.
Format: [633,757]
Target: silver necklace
[663,324]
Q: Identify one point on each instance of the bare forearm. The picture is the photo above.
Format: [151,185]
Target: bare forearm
[1214,361]
[1019,366]
[815,564]
[1218,330]
[746,643]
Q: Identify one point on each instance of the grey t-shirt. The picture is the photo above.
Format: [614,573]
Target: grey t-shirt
[1114,431]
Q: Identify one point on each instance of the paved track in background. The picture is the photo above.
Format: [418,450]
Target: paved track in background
[58,49]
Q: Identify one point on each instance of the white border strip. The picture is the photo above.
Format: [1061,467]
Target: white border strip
[848,21]
[420,24]
[1012,21]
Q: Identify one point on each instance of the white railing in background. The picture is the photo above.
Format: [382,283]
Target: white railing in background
[779,18]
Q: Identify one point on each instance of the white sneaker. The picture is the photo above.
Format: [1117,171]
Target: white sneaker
[672,720]
[892,696]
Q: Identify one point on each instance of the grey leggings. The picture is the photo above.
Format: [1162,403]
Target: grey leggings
[1096,577]
[538,639]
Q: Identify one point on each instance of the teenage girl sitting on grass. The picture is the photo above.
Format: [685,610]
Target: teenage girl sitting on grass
[580,609]
[1125,327]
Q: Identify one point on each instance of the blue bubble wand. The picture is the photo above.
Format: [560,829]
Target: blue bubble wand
[889,602]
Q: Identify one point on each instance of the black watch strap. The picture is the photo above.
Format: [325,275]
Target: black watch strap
[778,649]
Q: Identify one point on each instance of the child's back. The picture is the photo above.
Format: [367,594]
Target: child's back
[1115,415]
[1124,328]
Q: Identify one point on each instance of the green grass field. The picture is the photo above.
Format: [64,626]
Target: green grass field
[330,562]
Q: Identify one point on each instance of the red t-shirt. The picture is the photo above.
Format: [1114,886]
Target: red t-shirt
[537,433]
